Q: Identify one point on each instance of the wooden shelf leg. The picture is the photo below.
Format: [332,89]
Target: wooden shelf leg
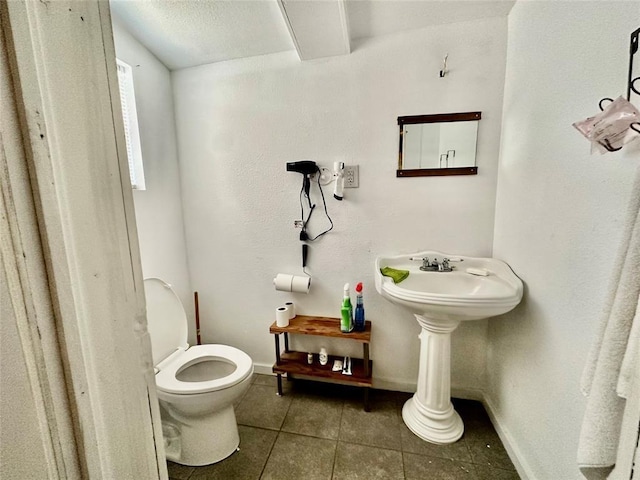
[286,341]
[278,360]
[365,347]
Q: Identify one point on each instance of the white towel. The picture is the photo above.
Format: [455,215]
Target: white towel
[631,359]
[615,343]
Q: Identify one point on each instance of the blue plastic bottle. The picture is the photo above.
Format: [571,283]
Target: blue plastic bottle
[359,316]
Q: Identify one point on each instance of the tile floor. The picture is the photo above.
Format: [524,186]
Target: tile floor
[320,431]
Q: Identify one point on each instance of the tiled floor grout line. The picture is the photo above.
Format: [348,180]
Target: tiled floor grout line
[269,455]
[335,456]
[402,452]
[278,434]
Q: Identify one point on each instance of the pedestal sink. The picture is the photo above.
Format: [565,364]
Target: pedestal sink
[440,300]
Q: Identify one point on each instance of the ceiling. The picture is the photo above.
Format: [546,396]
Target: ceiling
[186,33]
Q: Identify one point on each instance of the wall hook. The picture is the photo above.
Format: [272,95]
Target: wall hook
[444,70]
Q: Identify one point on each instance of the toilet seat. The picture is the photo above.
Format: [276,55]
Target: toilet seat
[167,326]
[166,378]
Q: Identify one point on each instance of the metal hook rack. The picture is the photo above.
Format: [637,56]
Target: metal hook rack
[633,85]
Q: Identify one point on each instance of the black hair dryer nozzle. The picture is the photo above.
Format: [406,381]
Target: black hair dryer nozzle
[305,167]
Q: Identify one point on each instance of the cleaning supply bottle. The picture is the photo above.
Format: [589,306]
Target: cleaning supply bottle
[346,313]
[359,316]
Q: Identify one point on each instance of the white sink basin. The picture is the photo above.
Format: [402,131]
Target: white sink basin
[455,295]
[440,301]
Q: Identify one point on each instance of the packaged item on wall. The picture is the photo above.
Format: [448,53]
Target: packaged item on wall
[609,130]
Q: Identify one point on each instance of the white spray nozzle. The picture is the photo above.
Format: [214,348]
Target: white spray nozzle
[338,168]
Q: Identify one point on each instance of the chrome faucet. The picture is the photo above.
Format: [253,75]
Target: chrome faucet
[429,267]
[435,266]
[444,266]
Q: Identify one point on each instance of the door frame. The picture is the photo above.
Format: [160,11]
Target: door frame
[69,244]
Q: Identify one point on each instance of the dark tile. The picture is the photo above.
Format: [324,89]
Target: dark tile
[237,401]
[489,473]
[247,463]
[490,453]
[477,424]
[480,436]
[387,395]
[411,443]
[325,390]
[269,380]
[370,463]
[314,416]
[272,381]
[378,428]
[402,398]
[262,407]
[296,457]
[471,410]
[420,467]
[179,472]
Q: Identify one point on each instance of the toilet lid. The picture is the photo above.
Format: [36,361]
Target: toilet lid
[166,378]
[166,319]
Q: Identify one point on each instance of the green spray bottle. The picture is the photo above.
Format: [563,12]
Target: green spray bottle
[346,312]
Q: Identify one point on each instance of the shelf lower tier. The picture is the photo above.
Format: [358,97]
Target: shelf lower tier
[295,363]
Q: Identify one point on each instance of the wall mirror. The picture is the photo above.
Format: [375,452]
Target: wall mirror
[443,144]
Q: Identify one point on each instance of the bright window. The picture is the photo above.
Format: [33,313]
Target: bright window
[131,132]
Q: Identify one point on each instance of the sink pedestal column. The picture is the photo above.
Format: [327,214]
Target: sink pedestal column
[429,413]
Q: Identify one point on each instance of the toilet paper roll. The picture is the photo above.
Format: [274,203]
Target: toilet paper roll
[282,317]
[290,283]
[301,284]
[292,309]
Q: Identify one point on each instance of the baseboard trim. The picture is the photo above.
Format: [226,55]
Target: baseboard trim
[467,393]
[522,467]
[394,385]
[263,368]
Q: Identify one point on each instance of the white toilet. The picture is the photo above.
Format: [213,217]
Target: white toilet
[197,386]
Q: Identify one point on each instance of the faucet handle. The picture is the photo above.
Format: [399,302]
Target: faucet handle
[424,260]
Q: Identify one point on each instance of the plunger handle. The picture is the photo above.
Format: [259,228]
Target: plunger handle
[195,297]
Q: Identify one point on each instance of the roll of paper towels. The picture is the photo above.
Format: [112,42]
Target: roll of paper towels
[292,283]
[282,317]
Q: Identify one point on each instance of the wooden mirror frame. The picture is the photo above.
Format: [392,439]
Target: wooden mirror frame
[438,118]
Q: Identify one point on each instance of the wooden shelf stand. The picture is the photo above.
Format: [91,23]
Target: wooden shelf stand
[294,364]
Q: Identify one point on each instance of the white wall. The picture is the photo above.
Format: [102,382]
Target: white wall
[159,207]
[559,219]
[240,121]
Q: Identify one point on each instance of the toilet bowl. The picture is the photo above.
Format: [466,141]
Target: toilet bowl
[196,386]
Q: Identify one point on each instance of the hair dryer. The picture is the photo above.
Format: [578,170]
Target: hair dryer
[305,167]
